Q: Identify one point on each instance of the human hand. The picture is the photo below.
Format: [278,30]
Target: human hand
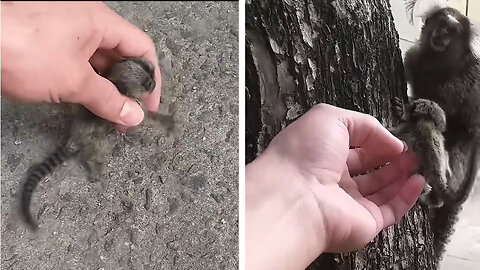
[50,51]
[301,200]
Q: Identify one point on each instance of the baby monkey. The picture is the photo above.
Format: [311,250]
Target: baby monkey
[422,127]
[134,78]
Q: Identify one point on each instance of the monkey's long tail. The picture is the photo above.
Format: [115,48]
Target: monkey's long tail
[466,185]
[447,216]
[38,172]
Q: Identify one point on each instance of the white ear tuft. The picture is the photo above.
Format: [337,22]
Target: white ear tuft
[419,10]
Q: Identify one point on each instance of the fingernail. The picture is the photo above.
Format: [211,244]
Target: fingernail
[131,114]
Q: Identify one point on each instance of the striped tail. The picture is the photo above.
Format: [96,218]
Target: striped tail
[37,173]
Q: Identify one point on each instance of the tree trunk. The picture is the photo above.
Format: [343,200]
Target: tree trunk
[345,53]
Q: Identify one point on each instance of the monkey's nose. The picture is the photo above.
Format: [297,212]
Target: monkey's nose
[440,39]
[443,32]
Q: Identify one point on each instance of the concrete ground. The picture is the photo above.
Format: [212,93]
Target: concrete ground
[169,201]
[463,250]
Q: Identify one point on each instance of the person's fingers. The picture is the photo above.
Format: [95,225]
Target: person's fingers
[374,211]
[348,185]
[372,182]
[102,60]
[123,37]
[152,101]
[385,194]
[366,132]
[361,160]
[127,40]
[102,98]
[398,206]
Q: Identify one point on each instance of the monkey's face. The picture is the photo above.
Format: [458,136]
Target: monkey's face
[446,31]
[133,77]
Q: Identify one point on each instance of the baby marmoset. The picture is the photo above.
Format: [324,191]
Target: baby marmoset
[443,67]
[423,123]
[134,78]
[422,128]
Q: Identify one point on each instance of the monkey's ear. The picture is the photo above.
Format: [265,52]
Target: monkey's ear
[428,11]
[410,6]
[422,9]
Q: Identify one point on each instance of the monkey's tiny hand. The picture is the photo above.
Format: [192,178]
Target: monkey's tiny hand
[398,108]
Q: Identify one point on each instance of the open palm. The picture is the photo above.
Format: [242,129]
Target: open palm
[354,200]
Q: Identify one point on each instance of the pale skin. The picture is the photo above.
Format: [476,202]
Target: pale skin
[301,200]
[50,51]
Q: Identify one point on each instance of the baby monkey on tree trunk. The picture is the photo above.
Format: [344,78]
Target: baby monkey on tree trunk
[134,78]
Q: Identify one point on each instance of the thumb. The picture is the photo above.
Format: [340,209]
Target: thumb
[102,98]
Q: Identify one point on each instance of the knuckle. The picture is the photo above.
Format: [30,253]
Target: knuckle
[75,82]
[323,107]
[373,121]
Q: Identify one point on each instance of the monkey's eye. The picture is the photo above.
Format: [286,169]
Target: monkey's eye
[148,84]
[457,28]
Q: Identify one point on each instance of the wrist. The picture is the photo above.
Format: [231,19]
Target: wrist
[284,227]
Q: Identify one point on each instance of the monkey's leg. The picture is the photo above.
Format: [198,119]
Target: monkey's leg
[430,198]
[433,155]
[425,196]
[93,162]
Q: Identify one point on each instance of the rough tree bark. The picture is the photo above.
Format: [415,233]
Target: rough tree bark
[345,53]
